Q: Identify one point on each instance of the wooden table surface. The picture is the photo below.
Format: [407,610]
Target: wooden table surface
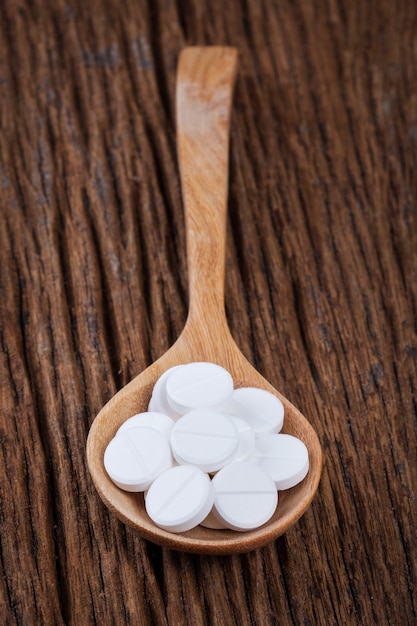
[320,296]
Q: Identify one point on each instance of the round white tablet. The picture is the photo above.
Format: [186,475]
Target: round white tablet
[198,385]
[158,421]
[204,439]
[245,496]
[246,445]
[283,457]
[180,498]
[159,402]
[136,456]
[263,411]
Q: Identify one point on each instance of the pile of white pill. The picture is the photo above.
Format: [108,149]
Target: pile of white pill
[206,453]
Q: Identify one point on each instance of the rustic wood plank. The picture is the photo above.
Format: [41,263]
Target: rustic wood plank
[320,294]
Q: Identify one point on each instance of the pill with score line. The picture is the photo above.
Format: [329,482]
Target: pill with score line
[180,498]
[245,496]
[198,385]
[151,419]
[205,439]
[262,410]
[136,456]
[284,457]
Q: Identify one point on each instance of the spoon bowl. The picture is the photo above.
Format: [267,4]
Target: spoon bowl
[204,93]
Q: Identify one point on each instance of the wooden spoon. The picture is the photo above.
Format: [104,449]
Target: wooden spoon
[204,95]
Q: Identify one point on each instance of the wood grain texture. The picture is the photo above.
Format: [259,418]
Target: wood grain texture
[320,295]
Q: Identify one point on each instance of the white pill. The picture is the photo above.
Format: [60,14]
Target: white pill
[263,411]
[180,498]
[283,457]
[159,402]
[158,421]
[136,456]
[246,445]
[245,496]
[198,385]
[204,439]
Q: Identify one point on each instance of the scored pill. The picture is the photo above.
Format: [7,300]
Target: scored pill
[198,385]
[151,419]
[136,456]
[245,496]
[204,439]
[263,411]
[180,498]
[283,457]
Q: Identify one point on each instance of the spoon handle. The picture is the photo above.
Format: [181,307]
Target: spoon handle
[203,103]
